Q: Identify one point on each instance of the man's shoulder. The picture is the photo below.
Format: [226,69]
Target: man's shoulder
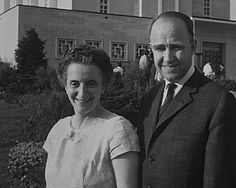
[205,85]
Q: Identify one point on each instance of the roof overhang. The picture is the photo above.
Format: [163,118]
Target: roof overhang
[213,20]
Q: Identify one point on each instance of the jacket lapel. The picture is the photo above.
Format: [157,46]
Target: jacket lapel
[150,121]
[183,98]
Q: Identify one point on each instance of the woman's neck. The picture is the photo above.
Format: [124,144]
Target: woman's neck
[80,121]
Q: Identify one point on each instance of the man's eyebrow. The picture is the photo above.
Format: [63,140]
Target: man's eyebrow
[157,45]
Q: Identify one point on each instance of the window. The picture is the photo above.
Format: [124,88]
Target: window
[62,45]
[206,8]
[95,43]
[103,6]
[139,48]
[213,52]
[119,51]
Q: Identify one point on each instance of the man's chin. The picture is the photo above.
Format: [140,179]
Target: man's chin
[171,77]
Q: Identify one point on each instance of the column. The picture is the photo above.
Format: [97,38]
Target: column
[19,2]
[177,5]
[6,5]
[140,8]
[34,2]
[52,3]
[159,6]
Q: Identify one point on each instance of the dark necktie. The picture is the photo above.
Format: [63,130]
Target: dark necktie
[169,97]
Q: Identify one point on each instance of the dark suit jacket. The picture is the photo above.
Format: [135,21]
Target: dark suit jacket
[193,144]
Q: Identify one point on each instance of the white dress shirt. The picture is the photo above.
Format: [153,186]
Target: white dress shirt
[179,84]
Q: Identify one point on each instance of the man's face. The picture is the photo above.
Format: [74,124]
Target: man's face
[172,48]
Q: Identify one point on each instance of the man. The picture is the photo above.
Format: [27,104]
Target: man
[191,142]
[207,70]
[144,60]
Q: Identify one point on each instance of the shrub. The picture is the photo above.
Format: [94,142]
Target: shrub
[7,75]
[228,84]
[122,95]
[13,93]
[26,164]
[42,112]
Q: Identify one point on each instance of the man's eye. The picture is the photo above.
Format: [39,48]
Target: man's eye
[177,48]
[159,48]
[92,84]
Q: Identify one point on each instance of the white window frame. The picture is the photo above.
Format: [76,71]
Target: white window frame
[207,8]
[104,6]
[67,40]
[144,45]
[86,41]
[125,50]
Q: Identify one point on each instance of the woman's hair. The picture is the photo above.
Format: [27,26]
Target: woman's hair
[85,54]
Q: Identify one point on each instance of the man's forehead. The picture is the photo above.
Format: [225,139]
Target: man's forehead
[173,28]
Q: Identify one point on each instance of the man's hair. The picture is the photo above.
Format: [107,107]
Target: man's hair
[172,14]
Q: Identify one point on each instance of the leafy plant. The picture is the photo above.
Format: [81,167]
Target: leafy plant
[30,53]
[42,112]
[26,164]
[122,98]
[228,84]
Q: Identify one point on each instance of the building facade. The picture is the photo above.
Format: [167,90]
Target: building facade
[119,27]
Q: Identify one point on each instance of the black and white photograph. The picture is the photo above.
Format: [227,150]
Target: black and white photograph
[117,93]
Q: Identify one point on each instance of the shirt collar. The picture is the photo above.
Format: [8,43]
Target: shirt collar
[184,79]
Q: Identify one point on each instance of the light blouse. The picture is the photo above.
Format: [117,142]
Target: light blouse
[82,158]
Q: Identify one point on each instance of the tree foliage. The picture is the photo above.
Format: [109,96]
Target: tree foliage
[7,75]
[30,53]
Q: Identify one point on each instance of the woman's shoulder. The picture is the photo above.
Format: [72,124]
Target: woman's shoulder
[116,123]
[61,124]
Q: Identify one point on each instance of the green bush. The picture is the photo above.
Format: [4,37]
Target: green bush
[122,98]
[228,84]
[42,112]
[26,164]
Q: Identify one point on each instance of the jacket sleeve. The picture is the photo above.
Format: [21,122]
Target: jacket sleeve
[220,153]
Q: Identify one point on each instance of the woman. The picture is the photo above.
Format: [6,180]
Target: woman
[94,147]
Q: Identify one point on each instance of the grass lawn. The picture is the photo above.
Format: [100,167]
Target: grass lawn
[11,121]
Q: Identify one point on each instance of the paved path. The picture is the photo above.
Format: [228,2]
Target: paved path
[11,121]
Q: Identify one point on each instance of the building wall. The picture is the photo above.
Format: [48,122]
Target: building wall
[8,34]
[81,26]
[125,7]
[218,9]
[221,33]
[221,9]
[168,5]
[150,8]
[62,4]
[185,6]
[2,8]
[88,5]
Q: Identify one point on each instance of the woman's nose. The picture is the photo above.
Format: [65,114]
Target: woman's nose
[81,90]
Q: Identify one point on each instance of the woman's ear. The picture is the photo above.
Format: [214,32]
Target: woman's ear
[65,87]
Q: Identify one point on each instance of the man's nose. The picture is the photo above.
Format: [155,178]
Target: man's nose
[168,55]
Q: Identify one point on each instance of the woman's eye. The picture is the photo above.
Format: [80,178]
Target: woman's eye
[74,84]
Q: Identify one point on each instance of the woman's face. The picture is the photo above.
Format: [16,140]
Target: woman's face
[84,86]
